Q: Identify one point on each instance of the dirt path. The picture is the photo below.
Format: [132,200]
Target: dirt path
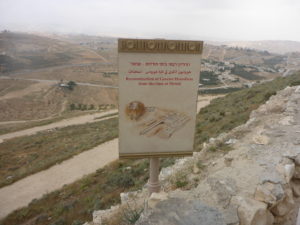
[22,192]
[202,102]
[55,82]
[63,123]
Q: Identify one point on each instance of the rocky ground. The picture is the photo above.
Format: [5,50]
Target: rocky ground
[256,183]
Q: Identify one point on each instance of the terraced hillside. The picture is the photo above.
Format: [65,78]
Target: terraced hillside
[35,72]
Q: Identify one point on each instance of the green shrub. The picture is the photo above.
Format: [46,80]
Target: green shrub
[77,222]
[72,106]
[181,183]
[200,165]
[209,78]
[295,83]
[97,204]
[118,179]
[237,107]
[71,85]
[269,94]
[166,162]
[131,215]
[240,71]
[179,179]
[91,107]
[59,222]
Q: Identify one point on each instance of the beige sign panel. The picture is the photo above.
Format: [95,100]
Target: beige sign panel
[158,84]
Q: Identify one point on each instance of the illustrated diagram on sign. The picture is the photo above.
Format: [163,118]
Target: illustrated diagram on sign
[154,121]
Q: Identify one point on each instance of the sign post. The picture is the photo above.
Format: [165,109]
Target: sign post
[158,88]
[153,183]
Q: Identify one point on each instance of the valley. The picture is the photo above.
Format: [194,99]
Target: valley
[59,126]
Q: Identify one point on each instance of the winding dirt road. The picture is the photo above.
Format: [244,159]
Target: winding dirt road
[63,123]
[55,82]
[21,193]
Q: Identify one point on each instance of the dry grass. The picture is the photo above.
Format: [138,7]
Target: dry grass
[74,203]
[20,157]
[12,127]
[37,54]
[92,73]
[223,114]
[52,101]
[7,86]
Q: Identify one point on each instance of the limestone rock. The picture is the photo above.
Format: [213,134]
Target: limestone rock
[252,212]
[125,197]
[291,152]
[269,193]
[156,197]
[297,172]
[231,141]
[228,161]
[278,107]
[222,190]
[230,215]
[101,216]
[295,184]
[285,161]
[165,172]
[261,140]
[177,211]
[134,197]
[297,160]
[196,169]
[289,170]
[212,140]
[276,133]
[295,142]
[287,121]
[180,165]
[284,206]
[272,176]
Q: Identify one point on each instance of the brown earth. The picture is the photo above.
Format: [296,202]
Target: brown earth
[66,172]
[42,100]
[86,73]
[27,51]
[35,186]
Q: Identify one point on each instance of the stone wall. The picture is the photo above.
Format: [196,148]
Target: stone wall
[256,183]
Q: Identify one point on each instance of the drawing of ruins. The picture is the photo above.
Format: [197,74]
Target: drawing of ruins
[155,121]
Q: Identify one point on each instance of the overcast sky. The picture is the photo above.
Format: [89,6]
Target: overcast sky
[189,19]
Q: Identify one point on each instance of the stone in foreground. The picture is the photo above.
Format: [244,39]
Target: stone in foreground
[177,211]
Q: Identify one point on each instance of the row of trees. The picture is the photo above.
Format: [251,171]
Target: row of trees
[84,107]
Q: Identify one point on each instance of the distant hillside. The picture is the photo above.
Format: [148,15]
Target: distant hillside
[280,47]
[242,55]
[220,116]
[106,46]
[28,100]
[20,51]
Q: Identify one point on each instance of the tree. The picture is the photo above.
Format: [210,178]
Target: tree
[91,107]
[84,107]
[72,106]
[71,85]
